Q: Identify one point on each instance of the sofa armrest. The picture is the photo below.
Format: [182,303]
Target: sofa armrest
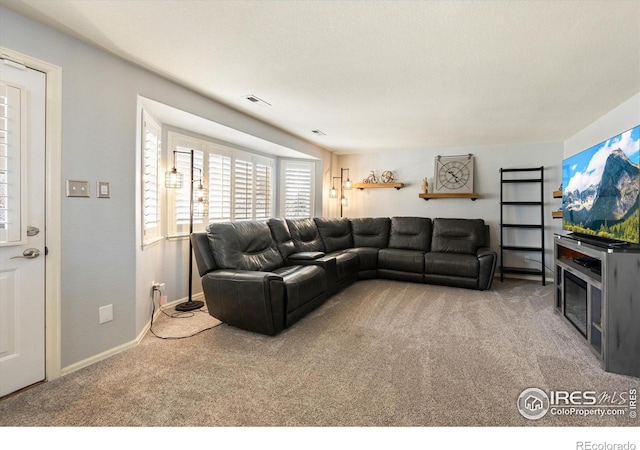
[328,263]
[205,261]
[305,256]
[487,259]
[250,300]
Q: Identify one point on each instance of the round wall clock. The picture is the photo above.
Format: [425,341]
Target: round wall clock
[454,174]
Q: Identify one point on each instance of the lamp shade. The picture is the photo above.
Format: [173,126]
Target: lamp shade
[199,209]
[173,179]
[199,201]
[347,185]
[199,194]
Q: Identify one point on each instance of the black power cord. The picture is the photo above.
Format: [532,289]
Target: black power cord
[176,315]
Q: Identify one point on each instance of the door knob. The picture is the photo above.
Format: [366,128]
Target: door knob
[29,253]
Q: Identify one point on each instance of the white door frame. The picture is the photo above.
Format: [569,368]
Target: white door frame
[53,191]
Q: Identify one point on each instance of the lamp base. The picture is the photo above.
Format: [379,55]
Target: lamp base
[189,306]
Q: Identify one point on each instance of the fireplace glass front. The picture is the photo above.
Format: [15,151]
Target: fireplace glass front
[575,301]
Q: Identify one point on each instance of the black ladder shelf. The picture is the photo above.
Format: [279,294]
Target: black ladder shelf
[536,178]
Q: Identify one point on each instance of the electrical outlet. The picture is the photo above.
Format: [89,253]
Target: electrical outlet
[106,313]
[155,286]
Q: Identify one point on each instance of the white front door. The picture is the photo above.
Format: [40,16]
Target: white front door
[22,227]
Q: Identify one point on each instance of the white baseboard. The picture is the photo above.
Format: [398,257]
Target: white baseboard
[127,345]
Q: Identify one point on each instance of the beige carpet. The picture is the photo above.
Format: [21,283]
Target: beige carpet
[379,353]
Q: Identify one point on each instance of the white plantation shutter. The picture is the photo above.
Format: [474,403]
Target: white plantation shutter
[219,187]
[181,197]
[263,188]
[151,148]
[243,192]
[240,184]
[297,189]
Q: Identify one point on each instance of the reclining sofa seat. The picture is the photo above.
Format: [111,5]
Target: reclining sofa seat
[247,284]
[409,240]
[286,245]
[370,234]
[459,254]
[329,238]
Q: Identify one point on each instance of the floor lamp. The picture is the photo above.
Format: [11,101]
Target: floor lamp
[175,180]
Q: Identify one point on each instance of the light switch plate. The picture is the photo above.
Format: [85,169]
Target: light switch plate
[104,189]
[77,188]
[106,313]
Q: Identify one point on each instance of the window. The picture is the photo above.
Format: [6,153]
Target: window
[13,158]
[151,148]
[262,198]
[297,189]
[240,184]
[219,186]
[243,192]
[181,198]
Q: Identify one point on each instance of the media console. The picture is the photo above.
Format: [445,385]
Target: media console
[598,293]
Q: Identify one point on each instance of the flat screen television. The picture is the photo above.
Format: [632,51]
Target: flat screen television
[600,187]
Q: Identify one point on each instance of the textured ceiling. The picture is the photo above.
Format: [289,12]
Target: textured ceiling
[382,75]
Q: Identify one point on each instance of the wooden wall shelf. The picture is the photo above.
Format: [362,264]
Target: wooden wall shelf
[472,195]
[557,214]
[362,186]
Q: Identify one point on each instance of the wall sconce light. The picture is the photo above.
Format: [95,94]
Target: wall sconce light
[345,185]
[348,185]
[333,192]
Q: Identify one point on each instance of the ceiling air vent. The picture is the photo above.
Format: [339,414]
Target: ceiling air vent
[256,100]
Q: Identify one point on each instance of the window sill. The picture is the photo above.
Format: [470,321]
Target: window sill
[151,243]
[178,237]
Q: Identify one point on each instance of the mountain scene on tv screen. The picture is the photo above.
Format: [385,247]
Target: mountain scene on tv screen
[602,199]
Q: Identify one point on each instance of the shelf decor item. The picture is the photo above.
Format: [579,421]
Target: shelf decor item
[387,176]
[425,186]
[371,179]
[386,181]
[454,174]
